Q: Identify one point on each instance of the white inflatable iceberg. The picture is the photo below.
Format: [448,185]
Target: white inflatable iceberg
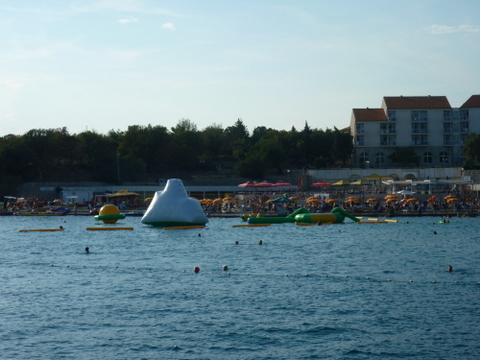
[173,207]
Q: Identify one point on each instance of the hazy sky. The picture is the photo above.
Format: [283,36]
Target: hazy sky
[104,65]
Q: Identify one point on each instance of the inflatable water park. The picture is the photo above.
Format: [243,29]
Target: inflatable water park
[172,207]
[304,216]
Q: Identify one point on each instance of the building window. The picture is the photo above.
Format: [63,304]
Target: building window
[392,115]
[360,128]
[419,115]
[360,140]
[427,157]
[447,127]
[380,158]
[447,140]
[388,128]
[447,115]
[363,158]
[421,140]
[420,128]
[444,157]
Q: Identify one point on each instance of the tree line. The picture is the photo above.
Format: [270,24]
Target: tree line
[147,153]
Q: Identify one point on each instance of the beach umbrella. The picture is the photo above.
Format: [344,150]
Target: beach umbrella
[391,197]
[405,192]
[312,201]
[283,200]
[247,184]
[331,201]
[264,183]
[281,183]
[294,198]
[148,199]
[340,183]
[360,182]
[352,201]
[121,193]
[321,183]
[372,200]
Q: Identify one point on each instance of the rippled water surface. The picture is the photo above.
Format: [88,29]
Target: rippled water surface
[344,291]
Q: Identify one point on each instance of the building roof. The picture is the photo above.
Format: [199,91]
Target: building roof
[472,102]
[369,114]
[416,102]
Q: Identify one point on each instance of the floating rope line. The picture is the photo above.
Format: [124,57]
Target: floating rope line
[236,273]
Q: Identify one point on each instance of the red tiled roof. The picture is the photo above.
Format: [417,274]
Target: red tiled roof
[473,102]
[416,102]
[369,114]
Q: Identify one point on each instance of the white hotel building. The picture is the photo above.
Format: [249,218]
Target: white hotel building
[434,129]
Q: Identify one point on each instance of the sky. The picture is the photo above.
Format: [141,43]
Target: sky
[105,65]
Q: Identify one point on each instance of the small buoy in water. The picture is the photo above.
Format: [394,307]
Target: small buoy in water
[260,242]
[225,268]
[196,269]
[449,268]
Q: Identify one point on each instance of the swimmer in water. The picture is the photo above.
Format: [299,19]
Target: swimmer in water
[87,250]
[449,268]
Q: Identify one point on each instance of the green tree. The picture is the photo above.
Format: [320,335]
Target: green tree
[99,156]
[237,138]
[404,156]
[342,148]
[471,149]
[187,146]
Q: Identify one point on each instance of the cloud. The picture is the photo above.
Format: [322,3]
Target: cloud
[11,84]
[443,29]
[128,21]
[169,26]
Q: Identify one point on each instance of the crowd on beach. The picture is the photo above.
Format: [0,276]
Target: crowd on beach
[379,200]
[374,200]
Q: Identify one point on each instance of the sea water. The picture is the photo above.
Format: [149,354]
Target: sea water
[342,291]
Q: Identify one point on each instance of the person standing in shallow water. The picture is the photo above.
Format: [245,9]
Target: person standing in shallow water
[449,268]
[87,250]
